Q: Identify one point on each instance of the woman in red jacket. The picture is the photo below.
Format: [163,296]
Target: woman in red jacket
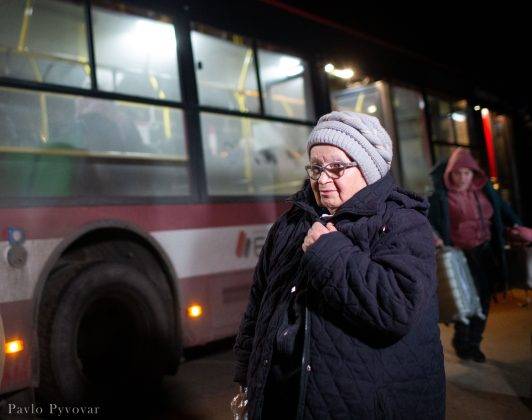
[468,214]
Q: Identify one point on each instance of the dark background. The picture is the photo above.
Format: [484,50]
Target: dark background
[476,49]
[487,43]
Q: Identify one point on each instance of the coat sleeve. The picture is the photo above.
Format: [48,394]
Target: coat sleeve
[385,290]
[436,215]
[246,332]
[508,215]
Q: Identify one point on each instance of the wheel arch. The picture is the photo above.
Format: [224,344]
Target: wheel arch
[116,229]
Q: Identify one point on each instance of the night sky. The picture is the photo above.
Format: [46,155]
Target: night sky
[489,43]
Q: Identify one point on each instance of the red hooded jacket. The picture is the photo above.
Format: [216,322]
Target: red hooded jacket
[470,211]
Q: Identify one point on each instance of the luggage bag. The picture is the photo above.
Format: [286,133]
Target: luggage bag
[457,294]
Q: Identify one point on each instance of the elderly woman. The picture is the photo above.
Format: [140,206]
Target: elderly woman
[342,317]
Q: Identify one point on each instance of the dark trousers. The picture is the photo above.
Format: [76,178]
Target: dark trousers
[484,269]
[281,393]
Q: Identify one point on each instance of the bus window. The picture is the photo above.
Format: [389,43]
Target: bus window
[225,70]
[449,121]
[413,143]
[502,170]
[441,124]
[442,152]
[44,41]
[459,119]
[63,145]
[285,86]
[248,156]
[449,126]
[356,96]
[135,55]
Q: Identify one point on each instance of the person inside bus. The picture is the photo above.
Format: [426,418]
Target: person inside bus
[467,213]
[342,320]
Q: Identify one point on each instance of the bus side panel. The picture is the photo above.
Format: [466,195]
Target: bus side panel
[214,267]
[223,298]
[17,317]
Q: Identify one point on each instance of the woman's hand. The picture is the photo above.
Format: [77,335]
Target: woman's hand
[520,235]
[239,403]
[438,242]
[314,233]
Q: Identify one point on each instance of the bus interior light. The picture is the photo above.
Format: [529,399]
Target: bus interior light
[346,73]
[343,73]
[329,67]
[458,117]
[290,66]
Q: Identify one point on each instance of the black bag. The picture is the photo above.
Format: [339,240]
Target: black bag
[519,260]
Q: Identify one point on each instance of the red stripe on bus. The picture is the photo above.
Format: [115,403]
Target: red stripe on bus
[241,244]
[50,222]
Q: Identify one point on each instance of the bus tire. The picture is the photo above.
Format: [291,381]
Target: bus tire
[106,336]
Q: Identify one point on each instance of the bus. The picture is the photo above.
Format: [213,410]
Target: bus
[145,150]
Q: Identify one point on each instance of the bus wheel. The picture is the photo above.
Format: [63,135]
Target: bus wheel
[106,336]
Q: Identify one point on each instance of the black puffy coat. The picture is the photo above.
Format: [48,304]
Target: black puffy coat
[371,339]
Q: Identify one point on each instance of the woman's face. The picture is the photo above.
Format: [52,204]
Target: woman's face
[332,193]
[462,178]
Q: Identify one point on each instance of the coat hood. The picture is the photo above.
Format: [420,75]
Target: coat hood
[462,158]
[367,201]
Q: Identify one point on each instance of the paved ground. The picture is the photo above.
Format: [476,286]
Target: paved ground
[500,389]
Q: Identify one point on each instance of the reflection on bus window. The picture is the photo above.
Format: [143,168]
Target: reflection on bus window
[442,130]
[55,144]
[44,41]
[356,96]
[449,121]
[459,117]
[412,139]
[225,72]
[285,86]
[442,152]
[246,156]
[135,55]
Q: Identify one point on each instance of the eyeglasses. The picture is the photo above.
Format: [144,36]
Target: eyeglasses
[334,169]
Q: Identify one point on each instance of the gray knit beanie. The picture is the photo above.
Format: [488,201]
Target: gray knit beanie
[360,136]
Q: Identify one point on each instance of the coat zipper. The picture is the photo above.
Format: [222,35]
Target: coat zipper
[305,367]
